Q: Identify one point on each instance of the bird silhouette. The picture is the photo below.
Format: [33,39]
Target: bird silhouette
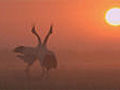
[46,57]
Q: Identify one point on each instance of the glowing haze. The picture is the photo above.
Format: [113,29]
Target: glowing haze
[78,24]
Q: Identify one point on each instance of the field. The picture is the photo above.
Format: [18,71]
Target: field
[88,74]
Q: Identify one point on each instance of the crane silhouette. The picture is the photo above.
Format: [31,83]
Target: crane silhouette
[46,57]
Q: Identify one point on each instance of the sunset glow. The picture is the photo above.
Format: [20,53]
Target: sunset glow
[59,44]
[113,16]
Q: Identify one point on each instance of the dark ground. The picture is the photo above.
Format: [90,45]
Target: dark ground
[86,75]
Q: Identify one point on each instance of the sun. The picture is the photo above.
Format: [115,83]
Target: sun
[112,16]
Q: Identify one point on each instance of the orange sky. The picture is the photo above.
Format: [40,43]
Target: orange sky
[78,24]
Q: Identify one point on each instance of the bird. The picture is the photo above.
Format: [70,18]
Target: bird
[27,54]
[46,57]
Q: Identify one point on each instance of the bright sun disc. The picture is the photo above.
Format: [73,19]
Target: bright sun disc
[113,16]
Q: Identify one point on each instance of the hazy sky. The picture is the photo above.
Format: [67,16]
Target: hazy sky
[78,24]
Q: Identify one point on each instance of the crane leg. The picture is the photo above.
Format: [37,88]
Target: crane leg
[47,73]
[43,73]
[27,70]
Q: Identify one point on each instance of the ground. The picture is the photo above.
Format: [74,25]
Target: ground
[89,76]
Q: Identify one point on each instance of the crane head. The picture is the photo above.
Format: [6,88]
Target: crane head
[51,29]
[33,29]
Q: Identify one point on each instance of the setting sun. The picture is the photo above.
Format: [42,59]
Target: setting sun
[112,16]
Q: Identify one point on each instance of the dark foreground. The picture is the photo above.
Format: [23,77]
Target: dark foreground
[61,80]
[82,76]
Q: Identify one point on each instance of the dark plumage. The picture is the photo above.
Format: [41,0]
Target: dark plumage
[50,62]
[29,55]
